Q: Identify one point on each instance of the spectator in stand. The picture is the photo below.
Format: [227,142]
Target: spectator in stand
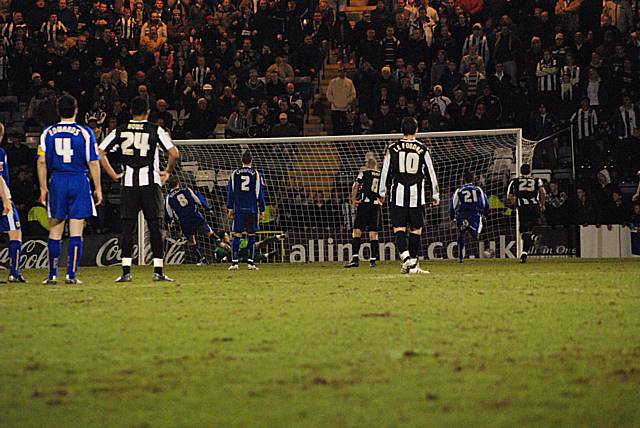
[307,59]
[341,93]
[584,125]
[284,128]
[619,13]
[239,122]
[285,71]
[604,188]
[615,211]
[202,121]
[556,212]
[385,122]
[627,124]
[635,217]
[472,80]
[585,212]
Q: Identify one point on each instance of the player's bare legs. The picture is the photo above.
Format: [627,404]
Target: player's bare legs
[355,249]
[56,229]
[15,247]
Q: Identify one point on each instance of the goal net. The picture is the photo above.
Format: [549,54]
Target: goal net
[308,182]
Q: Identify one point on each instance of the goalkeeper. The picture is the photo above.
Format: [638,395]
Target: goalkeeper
[182,204]
[223,251]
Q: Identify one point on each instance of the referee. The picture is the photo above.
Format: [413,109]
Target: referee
[139,143]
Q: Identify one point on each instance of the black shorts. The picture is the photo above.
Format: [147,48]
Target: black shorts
[368,217]
[145,198]
[407,217]
[528,217]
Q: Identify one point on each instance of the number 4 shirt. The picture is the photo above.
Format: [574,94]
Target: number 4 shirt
[139,143]
[68,148]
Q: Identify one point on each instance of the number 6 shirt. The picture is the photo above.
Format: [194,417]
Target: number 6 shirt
[139,143]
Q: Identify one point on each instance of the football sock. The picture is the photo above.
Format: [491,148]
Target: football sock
[196,251]
[414,245]
[461,245]
[75,254]
[401,242]
[126,265]
[14,255]
[157,247]
[526,241]
[375,250]
[55,246]
[355,245]
[158,264]
[235,248]
[251,247]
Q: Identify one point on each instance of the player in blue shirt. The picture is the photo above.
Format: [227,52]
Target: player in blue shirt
[245,203]
[182,204]
[68,153]
[10,221]
[468,205]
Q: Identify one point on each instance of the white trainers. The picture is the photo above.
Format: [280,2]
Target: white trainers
[416,269]
[252,267]
[233,267]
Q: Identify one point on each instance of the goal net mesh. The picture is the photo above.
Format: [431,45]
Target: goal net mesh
[308,182]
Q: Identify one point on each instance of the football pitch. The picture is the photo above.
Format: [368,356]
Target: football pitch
[487,343]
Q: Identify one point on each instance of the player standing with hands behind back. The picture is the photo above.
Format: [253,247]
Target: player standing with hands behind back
[365,197]
[528,195]
[245,199]
[406,165]
[139,142]
[68,152]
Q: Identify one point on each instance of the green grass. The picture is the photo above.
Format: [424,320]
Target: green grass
[488,343]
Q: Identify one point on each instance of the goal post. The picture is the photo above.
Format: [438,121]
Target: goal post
[308,182]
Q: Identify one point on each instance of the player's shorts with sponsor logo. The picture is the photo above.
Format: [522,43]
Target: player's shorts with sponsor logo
[368,217]
[406,217]
[528,217]
[196,226]
[474,219]
[245,222]
[146,198]
[11,221]
[70,196]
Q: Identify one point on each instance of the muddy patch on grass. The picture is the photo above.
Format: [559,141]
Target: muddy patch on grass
[386,314]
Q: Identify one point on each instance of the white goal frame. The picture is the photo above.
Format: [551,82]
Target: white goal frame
[351,138]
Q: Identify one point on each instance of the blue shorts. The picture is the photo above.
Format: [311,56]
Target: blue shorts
[190,229]
[10,221]
[475,222]
[245,222]
[70,197]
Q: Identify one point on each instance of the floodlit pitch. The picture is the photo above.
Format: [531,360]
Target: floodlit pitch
[487,343]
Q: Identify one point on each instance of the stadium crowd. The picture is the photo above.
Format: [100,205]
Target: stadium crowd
[252,66]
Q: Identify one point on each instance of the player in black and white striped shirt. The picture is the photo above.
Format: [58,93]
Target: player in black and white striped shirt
[139,143]
[528,195]
[407,163]
[365,197]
